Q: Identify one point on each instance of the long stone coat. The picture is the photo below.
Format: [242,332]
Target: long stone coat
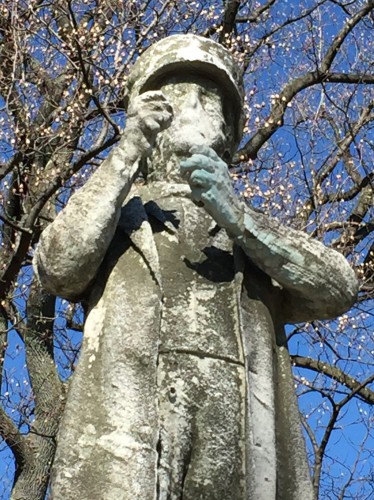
[184,385]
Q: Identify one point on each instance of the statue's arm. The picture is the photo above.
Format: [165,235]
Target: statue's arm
[72,248]
[318,282]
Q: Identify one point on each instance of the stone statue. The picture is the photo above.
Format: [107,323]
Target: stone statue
[184,386]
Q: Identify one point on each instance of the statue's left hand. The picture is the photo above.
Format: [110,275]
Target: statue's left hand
[211,187]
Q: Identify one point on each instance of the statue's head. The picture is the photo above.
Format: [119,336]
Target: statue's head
[204,85]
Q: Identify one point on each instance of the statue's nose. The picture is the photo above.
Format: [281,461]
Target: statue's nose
[193,100]
[192,112]
[191,108]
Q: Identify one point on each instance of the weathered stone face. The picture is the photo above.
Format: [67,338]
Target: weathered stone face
[190,55]
[201,117]
[198,110]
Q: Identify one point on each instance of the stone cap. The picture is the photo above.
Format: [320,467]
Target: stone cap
[189,54]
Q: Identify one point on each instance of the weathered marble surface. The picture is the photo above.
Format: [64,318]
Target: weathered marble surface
[184,385]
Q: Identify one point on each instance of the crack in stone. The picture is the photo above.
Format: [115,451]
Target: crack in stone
[201,355]
[185,470]
[159,452]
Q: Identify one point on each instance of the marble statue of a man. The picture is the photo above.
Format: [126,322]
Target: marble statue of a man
[184,386]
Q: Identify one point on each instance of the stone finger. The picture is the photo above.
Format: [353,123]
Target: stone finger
[201,178]
[160,106]
[143,101]
[163,118]
[196,162]
[151,124]
[205,150]
[196,194]
[153,95]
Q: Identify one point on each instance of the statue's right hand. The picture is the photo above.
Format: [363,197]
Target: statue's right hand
[148,114]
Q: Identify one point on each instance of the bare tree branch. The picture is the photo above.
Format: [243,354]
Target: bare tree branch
[320,75]
[342,35]
[18,443]
[349,78]
[49,395]
[364,118]
[229,16]
[338,375]
[13,225]
[255,14]
[6,169]
[319,455]
[350,193]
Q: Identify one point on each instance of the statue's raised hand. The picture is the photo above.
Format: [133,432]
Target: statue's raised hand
[148,114]
[211,187]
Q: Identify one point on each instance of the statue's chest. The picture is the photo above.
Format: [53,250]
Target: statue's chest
[200,311]
[188,263]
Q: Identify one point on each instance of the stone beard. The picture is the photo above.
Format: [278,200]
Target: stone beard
[184,385]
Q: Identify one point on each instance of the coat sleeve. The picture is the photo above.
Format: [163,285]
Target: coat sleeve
[72,248]
[317,281]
